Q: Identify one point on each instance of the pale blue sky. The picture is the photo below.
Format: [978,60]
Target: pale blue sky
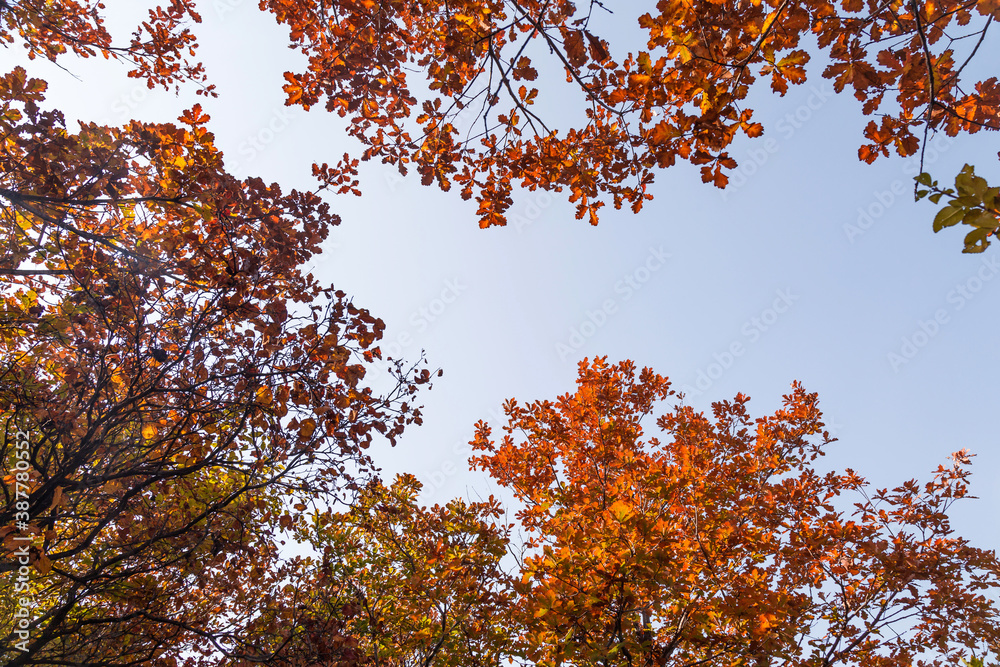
[778,268]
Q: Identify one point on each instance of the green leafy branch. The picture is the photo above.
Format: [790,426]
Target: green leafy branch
[972,203]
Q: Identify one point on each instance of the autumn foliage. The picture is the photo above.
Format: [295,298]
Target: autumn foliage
[719,543]
[183,387]
[179,397]
[424,586]
[402,73]
[681,98]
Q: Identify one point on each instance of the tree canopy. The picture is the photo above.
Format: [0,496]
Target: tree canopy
[179,396]
[720,543]
[176,389]
[401,72]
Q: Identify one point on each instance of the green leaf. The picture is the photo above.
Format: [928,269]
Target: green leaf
[964,183]
[982,219]
[971,185]
[924,179]
[947,217]
[976,240]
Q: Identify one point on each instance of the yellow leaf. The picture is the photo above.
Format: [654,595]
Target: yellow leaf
[264,396]
[149,431]
[621,511]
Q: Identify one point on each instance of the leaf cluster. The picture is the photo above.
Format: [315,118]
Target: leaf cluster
[971,202]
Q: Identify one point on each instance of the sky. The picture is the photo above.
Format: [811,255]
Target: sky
[810,266]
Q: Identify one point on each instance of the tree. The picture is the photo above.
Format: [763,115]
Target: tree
[721,544]
[425,585]
[174,391]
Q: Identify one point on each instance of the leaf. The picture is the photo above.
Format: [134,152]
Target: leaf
[947,217]
[620,511]
[57,498]
[576,54]
[42,564]
[598,49]
[524,70]
[307,428]
[977,240]
[983,219]
[638,80]
[265,396]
